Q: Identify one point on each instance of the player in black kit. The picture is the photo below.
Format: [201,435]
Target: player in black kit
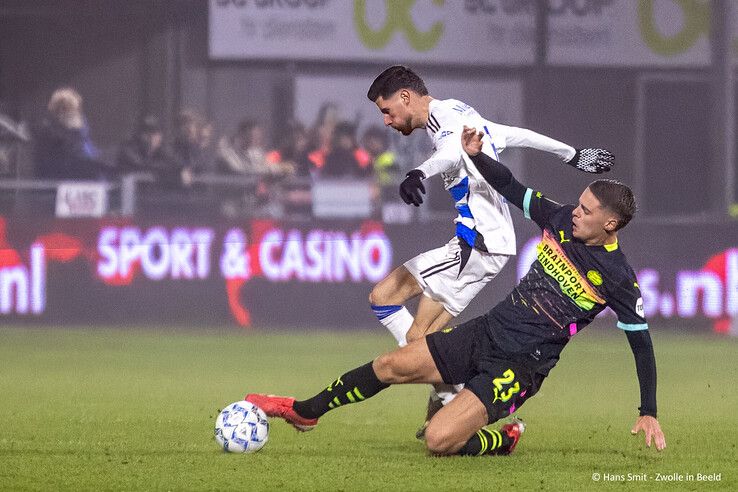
[503,356]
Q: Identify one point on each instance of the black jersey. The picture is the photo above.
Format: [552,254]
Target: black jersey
[568,285]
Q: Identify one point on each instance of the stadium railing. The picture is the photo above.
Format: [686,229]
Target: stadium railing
[209,194]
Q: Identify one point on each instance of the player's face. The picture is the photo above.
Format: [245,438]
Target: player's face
[591,220]
[396,111]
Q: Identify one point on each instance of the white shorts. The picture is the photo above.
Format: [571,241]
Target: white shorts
[445,278]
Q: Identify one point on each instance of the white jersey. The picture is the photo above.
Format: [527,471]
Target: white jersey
[483,219]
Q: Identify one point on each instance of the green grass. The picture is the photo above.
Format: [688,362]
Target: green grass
[121,410]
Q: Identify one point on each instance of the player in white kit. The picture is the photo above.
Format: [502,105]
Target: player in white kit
[449,277]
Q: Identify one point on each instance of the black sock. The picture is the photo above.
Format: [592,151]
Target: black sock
[486,441]
[354,386]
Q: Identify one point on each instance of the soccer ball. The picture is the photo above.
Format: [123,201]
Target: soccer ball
[242,427]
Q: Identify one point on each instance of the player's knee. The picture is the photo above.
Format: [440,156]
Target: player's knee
[438,440]
[389,369]
[376,297]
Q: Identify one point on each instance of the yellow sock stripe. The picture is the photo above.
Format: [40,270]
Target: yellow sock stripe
[483,441]
[497,438]
[490,438]
[331,405]
[358,394]
[337,402]
[350,397]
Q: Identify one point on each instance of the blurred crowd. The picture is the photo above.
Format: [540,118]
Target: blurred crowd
[274,178]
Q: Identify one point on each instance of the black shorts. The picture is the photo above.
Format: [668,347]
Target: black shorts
[466,354]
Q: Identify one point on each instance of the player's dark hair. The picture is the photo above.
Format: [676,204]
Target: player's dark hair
[392,80]
[617,197]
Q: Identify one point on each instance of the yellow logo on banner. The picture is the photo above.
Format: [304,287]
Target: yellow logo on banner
[398,18]
[696,15]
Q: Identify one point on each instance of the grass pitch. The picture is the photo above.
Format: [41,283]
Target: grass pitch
[134,410]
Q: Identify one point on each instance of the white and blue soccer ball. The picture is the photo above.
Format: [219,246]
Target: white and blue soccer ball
[242,427]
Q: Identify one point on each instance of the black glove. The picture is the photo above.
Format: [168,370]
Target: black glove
[593,161]
[412,189]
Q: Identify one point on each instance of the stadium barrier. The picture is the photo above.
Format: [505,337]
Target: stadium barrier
[132,194]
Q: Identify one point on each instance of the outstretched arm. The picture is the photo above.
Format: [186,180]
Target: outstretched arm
[640,344]
[594,161]
[533,204]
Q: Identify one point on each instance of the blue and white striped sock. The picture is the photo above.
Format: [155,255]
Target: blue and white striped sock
[397,319]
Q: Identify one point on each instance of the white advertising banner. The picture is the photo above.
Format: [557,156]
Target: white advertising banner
[482,32]
[629,32]
[81,199]
[489,32]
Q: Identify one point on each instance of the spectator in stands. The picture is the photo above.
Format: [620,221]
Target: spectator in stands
[292,156]
[245,152]
[321,134]
[12,133]
[186,148]
[207,151]
[384,162]
[346,158]
[10,129]
[145,152]
[63,148]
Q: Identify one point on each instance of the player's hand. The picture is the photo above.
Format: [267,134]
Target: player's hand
[593,161]
[650,426]
[412,189]
[471,141]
